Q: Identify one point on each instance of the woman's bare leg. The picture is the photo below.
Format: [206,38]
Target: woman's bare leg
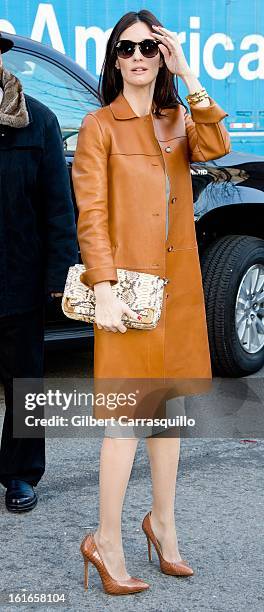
[164,459]
[116,461]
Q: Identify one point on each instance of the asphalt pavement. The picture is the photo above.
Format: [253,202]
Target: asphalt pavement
[219,518]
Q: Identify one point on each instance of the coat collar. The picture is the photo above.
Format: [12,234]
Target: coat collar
[171,126]
[121,109]
[13,109]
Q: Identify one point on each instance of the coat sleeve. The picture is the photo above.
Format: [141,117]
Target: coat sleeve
[207,135]
[60,238]
[90,181]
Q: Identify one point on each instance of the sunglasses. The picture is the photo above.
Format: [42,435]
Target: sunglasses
[148,47]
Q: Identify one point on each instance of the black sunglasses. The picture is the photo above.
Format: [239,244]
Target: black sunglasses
[126,48]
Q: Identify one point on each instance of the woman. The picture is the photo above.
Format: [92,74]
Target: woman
[141,137]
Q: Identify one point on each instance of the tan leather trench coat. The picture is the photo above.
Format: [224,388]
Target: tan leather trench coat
[120,185]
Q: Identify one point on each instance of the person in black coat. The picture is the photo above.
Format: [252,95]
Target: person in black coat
[38,243]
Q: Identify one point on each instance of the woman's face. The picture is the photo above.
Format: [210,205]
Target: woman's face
[136,33]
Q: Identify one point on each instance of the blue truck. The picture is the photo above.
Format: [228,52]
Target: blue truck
[223,42]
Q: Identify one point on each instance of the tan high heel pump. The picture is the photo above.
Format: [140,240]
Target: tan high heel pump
[112,586]
[179,568]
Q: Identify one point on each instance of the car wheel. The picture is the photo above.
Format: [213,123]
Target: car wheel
[233,279]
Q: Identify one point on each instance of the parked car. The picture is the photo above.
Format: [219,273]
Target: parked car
[228,208]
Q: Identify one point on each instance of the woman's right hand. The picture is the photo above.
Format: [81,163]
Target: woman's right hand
[109,309]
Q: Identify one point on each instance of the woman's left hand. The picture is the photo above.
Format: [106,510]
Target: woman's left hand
[172,51]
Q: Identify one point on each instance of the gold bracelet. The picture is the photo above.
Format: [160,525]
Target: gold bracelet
[198,92]
[197,96]
[199,100]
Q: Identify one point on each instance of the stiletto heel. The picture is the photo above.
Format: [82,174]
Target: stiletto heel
[112,586]
[179,568]
[149,549]
[85,572]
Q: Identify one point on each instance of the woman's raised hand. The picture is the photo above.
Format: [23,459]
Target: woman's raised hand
[172,51]
[109,309]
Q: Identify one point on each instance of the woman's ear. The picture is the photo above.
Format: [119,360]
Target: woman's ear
[117,66]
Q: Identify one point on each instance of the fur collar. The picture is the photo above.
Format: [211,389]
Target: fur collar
[13,110]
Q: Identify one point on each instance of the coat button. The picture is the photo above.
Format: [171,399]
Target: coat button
[168,149]
[170,248]
[173,200]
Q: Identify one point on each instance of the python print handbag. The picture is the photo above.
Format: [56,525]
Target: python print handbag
[143,292]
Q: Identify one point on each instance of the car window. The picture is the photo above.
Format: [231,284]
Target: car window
[69,99]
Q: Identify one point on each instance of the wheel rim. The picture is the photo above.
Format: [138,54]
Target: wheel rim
[249,310]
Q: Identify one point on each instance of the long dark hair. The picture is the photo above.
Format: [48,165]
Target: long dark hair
[111,82]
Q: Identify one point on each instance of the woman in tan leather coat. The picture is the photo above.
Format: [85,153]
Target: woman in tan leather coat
[141,140]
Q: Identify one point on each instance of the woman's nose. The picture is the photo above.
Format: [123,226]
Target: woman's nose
[137,53]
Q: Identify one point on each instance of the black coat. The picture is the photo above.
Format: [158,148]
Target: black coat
[38,239]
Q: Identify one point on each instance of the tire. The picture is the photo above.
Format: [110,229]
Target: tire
[224,265]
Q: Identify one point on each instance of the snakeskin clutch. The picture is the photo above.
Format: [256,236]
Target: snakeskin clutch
[143,292]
